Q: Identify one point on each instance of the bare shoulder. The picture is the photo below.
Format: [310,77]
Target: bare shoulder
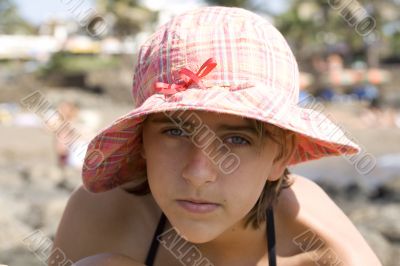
[95,223]
[320,227]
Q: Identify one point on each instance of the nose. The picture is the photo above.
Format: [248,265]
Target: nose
[199,169]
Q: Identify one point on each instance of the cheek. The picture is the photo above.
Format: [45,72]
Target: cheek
[158,154]
[243,195]
[163,164]
[245,186]
[160,172]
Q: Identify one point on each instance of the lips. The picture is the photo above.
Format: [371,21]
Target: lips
[198,206]
[199,201]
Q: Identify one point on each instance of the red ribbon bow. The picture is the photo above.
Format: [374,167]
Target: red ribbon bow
[168,89]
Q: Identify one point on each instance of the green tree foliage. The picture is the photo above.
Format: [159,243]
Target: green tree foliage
[10,21]
[129,17]
[238,3]
[314,25]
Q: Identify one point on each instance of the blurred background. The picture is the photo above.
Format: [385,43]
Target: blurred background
[66,70]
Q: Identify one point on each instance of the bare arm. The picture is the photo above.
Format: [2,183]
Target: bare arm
[325,221]
[83,229]
[70,241]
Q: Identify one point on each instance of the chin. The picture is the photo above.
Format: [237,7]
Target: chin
[196,232]
[197,237]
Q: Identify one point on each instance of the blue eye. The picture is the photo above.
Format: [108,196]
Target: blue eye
[177,132]
[236,140]
[174,132]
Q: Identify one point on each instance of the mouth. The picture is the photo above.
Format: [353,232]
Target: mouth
[197,205]
[198,201]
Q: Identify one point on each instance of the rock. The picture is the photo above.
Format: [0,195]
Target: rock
[10,177]
[388,222]
[33,217]
[27,225]
[45,176]
[12,231]
[389,191]
[385,219]
[71,180]
[394,261]
[364,214]
[20,256]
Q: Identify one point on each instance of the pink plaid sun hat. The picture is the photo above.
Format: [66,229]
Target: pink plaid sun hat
[219,59]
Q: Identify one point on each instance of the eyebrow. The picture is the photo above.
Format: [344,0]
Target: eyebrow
[221,127]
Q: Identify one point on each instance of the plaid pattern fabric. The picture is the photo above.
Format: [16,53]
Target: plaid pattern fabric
[256,77]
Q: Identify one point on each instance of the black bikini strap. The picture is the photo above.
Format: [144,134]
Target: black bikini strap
[154,243]
[271,237]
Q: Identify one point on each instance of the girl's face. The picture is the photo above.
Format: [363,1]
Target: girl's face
[181,171]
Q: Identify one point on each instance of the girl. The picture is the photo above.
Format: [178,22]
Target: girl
[197,173]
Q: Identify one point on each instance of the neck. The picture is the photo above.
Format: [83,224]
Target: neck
[237,244]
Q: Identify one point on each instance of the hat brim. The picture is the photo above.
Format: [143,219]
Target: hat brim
[107,156]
